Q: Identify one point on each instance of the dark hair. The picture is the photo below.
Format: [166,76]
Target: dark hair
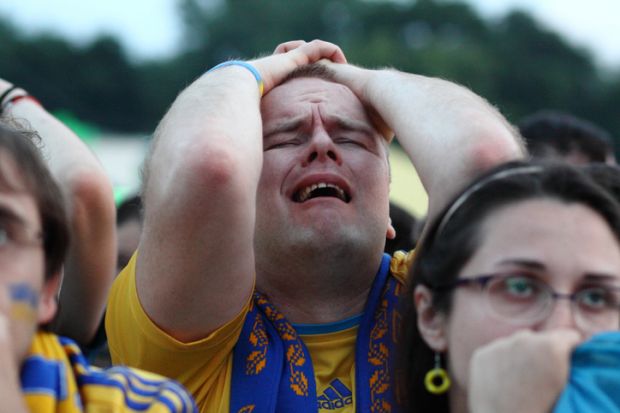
[408,229]
[607,176]
[128,210]
[552,134]
[38,181]
[456,234]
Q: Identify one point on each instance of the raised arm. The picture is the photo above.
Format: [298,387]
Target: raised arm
[450,133]
[90,265]
[195,267]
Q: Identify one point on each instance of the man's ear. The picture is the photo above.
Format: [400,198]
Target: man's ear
[48,302]
[391,231]
[431,323]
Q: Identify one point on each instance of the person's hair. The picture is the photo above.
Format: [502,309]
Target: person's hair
[455,236]
[313,70]
[128,210]
[556,134]
[607,176]
[37,180]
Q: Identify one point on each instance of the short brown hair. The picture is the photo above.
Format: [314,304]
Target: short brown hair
[314,70]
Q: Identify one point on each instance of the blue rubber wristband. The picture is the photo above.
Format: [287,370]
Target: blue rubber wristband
[246,65]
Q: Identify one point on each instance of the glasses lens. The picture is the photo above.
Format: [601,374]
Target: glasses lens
[598,308]
[517,298]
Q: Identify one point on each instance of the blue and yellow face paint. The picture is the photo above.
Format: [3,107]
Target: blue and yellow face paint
[24,302]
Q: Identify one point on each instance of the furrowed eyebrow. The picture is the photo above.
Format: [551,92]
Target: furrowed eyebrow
[284,126]
[353,125]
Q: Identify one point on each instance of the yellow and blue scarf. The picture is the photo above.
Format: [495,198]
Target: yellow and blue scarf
[272,368]
[55,377]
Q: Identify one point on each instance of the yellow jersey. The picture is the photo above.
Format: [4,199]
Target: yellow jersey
[204,366]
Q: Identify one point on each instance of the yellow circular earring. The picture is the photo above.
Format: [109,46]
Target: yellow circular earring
[437,380]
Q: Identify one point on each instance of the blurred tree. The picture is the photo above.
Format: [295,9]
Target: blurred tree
[95,82]
[537,69]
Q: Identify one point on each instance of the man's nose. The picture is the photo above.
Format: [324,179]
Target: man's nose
[322,148]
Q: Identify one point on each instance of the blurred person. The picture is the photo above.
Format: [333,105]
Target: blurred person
[520,268]
[128,229]
[43,372]
[87,193]
[554,134]
[260,281]
[407,230]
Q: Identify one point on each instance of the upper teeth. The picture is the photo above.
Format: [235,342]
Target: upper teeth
[305,193]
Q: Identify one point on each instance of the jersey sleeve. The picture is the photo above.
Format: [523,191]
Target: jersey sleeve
[202,366]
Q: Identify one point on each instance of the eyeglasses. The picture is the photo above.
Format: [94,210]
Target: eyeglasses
[523,299]
[15,236]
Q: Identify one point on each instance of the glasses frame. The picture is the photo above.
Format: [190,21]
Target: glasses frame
[484,280]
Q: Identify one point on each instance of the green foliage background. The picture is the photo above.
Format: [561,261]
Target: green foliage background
[515,62]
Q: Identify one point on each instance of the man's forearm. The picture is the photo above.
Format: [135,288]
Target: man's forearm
[450,133]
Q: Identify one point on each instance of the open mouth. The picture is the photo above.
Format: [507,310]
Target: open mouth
[321,189]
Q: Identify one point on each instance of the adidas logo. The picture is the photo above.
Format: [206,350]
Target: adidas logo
[336,396]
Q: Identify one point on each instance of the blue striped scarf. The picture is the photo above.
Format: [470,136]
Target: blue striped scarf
[272,368]
[55,377]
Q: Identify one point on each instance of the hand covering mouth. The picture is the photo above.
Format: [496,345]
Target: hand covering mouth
[321,189]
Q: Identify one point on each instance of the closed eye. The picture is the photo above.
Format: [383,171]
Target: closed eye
[350,141]
[276,144]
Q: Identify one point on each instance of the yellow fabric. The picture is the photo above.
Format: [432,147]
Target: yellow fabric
[110,391]
[401,263]
[333,357]
[204,367]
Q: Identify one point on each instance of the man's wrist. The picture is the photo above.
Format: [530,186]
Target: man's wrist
[12,95]
[248,66]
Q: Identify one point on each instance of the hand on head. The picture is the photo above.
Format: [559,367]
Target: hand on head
[357,79]
[291,55]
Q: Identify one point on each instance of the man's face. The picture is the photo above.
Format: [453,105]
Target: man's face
[325,176]
[26,298]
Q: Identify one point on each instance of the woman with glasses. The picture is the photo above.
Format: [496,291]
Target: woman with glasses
[522,267]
